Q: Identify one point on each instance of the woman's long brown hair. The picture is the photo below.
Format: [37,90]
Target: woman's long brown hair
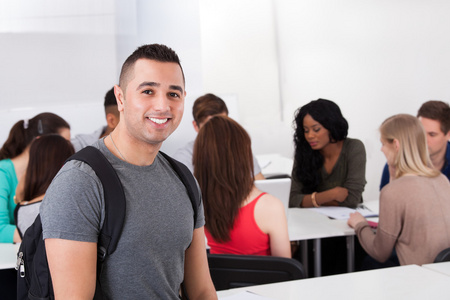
[223,166]
[47,155]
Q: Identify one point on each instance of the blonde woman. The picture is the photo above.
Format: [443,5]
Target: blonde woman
[414,206]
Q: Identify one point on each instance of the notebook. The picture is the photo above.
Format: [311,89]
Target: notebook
[279,188]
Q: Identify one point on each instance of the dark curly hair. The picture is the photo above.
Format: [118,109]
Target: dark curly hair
[308,161]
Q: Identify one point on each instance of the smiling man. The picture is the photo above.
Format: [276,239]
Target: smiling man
[161,244]
[435,118]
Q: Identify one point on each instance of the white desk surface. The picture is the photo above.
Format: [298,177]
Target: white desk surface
[305,224]
[8,255]
[442,267]
[405,282]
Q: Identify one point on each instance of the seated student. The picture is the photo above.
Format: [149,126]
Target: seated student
[47,155]
[240,219]
[14,160]
[112,119]
[204,108]
[435,118]
[414,212]
[329,168]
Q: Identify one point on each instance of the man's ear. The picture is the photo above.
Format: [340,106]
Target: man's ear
[119,97]
[196,128]
[112,120]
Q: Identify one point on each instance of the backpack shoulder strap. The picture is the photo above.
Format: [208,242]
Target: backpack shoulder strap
[115,204]
[188,180]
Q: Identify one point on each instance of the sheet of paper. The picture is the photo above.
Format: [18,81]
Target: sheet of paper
[244,296]
[343,213]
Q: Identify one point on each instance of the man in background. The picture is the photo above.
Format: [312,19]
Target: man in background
[435,118]
[204,108]
[112,119]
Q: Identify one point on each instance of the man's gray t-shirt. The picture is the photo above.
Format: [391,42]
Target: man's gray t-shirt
[149,260]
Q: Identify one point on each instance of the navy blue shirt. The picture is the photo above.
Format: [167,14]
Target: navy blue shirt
[445,169]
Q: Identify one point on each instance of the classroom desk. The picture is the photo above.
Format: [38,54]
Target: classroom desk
[305,224]
[442,267]
[8,255]
[404,282]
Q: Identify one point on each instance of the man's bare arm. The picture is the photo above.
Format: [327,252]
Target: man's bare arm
[72,267]
[196,271]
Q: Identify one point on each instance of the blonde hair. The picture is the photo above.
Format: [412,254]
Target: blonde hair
[412,157]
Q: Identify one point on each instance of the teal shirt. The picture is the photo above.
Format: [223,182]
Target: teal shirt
[8,184]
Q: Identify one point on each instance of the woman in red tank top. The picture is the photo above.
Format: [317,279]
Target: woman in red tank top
[240,219]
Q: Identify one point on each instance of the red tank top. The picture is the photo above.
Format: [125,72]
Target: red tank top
[246,237]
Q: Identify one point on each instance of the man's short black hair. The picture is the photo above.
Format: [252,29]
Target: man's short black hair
[438,111]
[156,52]
[110,98]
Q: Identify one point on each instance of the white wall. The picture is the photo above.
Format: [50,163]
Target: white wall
[239,43]
[64,57]
[373,58]
[58,58]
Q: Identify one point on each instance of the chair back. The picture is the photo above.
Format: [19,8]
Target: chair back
[444,255]
[232,271]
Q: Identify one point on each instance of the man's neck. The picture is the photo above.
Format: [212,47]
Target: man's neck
[107,131]
[131,151]
[438,159]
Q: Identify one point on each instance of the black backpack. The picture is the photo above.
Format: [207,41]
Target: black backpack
[33,276]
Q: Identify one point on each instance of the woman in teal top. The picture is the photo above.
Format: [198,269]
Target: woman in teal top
[14,161]
[8,183]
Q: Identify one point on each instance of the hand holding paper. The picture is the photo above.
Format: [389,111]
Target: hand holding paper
[354,219]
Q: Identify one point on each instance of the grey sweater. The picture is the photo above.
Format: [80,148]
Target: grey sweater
[414,217]
[348,172]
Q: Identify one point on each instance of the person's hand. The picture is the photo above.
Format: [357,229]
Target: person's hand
[340,194]
[354,219]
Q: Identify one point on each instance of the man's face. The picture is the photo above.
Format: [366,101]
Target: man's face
[436,139]
[153,102]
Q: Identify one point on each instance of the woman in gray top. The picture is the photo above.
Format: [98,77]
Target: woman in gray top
[329,168]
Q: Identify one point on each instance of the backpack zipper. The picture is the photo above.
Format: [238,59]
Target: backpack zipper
[20,264]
